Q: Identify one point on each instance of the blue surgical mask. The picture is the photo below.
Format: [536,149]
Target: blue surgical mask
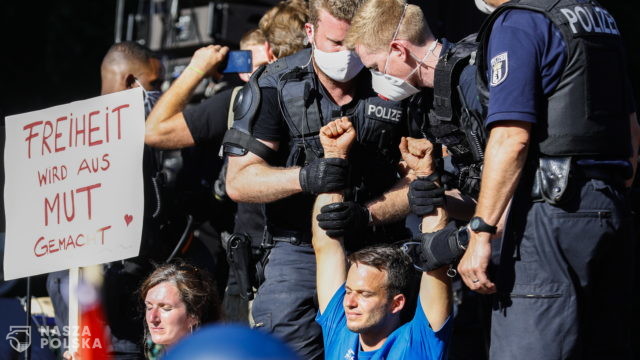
[150,98]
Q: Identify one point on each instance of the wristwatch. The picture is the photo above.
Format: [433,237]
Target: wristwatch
[477,224]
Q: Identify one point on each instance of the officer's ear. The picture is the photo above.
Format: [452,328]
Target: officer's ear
[270,56]
[309,32]
[398,50]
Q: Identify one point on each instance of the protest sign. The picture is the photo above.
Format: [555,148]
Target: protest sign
[73,184]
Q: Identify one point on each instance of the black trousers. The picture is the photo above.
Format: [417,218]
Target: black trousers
[284,305]
[565,277]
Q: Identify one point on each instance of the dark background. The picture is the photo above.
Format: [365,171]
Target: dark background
[51,50]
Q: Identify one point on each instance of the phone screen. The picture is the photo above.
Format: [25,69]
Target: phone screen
[237,61]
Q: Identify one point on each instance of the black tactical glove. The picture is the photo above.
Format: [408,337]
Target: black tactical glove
[424,195]
[440,248]
[324,175]
[340,218]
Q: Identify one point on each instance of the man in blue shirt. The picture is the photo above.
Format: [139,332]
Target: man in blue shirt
[363,298]
[563,136]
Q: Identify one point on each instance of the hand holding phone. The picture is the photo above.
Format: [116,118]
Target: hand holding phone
[237,61]
[208,58]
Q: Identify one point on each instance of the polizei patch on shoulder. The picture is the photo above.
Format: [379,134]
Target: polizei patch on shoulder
[499,68]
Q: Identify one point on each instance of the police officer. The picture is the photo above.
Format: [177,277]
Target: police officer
[394,40]
[285,167]
[407,62]
[562,129]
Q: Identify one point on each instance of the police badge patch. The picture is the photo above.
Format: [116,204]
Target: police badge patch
[499,68]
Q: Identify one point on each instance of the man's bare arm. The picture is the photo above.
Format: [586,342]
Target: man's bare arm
[250,179]
[394,204]
[505,156]
[336,138]
[166,127]
[435,286]
[331,261]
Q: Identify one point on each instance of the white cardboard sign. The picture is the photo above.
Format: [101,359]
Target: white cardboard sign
[73,184]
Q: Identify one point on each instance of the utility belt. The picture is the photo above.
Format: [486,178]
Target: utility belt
[293,237]
[555,178]
[387,233]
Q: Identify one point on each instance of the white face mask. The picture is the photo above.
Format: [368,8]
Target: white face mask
[391,87]
[341,66]
[484,7]
[394,88]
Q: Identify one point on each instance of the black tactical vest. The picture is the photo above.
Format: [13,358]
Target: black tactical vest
[453,120]
[586,114]
[306,108]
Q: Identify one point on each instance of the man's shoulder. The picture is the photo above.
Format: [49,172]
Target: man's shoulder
[275,70]
[523,19]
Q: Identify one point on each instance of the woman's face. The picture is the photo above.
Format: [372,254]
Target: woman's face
[166,314]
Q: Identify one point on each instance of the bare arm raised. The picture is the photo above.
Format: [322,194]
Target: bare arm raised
[166,127]
[336,138]
[435,286]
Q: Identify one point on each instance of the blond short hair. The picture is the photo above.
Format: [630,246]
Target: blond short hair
[339,9]
[376,21]
[251,38]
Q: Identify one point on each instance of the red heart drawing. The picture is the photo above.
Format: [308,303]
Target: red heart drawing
[128,219]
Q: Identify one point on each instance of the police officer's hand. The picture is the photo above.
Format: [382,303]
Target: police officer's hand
[324,175]
[337,137]
[473,265]
[205,60]
[425,195]
[341,218]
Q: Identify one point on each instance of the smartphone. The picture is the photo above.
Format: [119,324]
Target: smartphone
[237,61]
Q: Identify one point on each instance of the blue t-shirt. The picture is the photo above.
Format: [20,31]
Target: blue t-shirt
[526,56]
[413,340]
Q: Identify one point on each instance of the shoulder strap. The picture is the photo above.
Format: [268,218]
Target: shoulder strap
[230,115]
[447,75]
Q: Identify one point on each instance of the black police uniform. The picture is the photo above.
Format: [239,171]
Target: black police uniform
[293,108]
[207,123]
[451,114]
[564,274]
